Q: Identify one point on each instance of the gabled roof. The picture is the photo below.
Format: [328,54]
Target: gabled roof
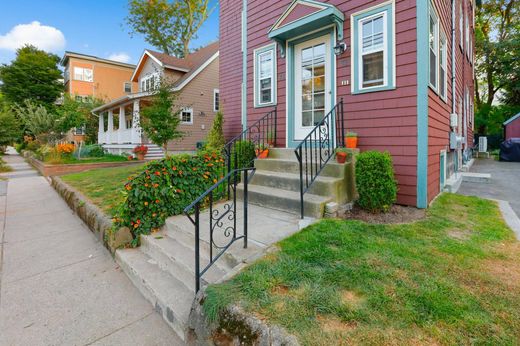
[299,9]
[187,64]
[510,120]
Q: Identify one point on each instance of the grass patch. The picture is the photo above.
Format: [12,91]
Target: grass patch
[4,167]
[103,186]
[452,278]
[73,160]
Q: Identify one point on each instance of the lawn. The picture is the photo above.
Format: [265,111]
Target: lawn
[105,158]
[452,278]
[103,186]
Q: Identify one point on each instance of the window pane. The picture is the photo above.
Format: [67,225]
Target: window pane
[307,118]
[319,83]
[373,69]
[307,102]
[307,70]
[441,82]
[319,51]
[433,68]
[78,73]
[372,35]
[307,54]
[306,86]
[265,96]
[319,101]
[318,116]
[266,63]
[319,70]
[87,74]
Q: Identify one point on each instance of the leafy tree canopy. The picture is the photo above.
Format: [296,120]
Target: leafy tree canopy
[160,120]
[35,118]
[168,25]
[32,75]
[75,114]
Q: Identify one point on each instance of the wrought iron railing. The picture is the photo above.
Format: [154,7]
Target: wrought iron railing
[318,147]
[222,217]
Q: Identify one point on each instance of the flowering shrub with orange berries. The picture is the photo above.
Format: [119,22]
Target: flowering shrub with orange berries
[65,148]
[164,189]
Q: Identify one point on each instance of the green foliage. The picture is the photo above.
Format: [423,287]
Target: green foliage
[40,122]
[489,120]
[168,26]
[375,181]
[92,150]
[215,140]
[10,130]
[245,153]
[159,120]
[33,75]
[75,114]
[165,188]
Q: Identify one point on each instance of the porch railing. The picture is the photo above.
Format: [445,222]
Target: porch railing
[222,218]
[318,147]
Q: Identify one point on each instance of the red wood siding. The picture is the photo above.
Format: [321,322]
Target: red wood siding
[513,129]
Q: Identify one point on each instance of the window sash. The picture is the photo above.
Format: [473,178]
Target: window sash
[373,49]
[265,60]
[216,100]
[186,116]
[443,68]
[433,25]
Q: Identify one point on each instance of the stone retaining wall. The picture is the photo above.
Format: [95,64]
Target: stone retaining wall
[98,222]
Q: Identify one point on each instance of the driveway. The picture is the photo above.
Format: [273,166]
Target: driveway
[504,185]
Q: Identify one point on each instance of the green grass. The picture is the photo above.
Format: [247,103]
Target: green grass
[105,158]
[452,278]
[4,167]
[103,186]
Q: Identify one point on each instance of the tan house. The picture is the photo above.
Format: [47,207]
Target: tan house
[89,76]
[194,78]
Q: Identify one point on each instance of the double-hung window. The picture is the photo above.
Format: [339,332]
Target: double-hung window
[373,49]
[443,66]
[265,76]
[187,116]
[433,44]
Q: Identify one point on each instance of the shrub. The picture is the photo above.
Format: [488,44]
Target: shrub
[245,154]
[216,139]
[164,189]
[375,181]
[92,150]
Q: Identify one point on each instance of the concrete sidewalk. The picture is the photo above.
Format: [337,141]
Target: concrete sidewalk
[58,284]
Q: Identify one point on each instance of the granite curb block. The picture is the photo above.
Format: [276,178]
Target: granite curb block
[510,217]
[234,327]
[98,222]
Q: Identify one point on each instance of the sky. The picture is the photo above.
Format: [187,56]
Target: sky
[94,27]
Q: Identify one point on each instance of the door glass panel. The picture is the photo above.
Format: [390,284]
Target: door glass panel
[313,84]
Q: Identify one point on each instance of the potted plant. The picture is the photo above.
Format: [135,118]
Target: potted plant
[262,151]
[140,151]
[341,155]
[351,140]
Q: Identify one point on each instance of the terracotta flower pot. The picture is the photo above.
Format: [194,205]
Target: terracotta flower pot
[140,156]
[351,142]
[262,154]
[341,157]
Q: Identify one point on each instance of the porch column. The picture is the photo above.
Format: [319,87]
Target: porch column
[101,129]
[136,123]
[122,125]
[110,129]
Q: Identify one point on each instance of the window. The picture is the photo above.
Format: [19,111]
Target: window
[461,26]
[128,87]
[443,64]
[80,98]
[216,100]
[373,49]
[433,47]
[150,82]
[83,74]
[467,33]
[313,84]
[265,74]
[187,116]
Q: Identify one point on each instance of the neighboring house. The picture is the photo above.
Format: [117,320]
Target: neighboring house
[194,79]
[512,127]
[406,83]
[89,76]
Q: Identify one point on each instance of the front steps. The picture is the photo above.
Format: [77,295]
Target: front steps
[154,152]
[276,184]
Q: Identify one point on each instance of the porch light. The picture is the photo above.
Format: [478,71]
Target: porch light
[340,48]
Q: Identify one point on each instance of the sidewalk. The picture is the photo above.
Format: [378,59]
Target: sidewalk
[58,284]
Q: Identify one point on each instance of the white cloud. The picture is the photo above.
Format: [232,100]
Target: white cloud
[121,57]
[44,37]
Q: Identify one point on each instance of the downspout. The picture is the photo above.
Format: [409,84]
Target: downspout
[244,65]
[453,65]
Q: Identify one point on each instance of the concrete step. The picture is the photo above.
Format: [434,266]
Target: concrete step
[170,297]
[285,200]
[322,186]
[483,178]
[179,260]
[332,169]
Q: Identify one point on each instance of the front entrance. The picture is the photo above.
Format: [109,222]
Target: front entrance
[312,84]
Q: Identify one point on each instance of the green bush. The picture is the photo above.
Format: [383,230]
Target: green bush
[245,154]
[164,189]
[91,150]
[375,181]
[215,140]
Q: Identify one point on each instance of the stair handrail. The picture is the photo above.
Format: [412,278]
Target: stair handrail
[318,147]
[217,217]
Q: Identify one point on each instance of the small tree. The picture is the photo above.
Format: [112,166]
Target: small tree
[216,139]
[160,120]
[35,118]
[10,130]
[74,114]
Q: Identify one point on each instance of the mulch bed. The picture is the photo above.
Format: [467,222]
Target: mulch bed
[397,214]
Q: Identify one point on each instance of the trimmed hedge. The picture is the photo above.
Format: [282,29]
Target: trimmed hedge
[375,181]
[164,189]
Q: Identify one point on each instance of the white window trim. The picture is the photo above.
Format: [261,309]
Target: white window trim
[256,82]
[461,26]
[215,92]
[147,78]
[82,74]
[187,110]
[361,53]
[433,12]
[444,64]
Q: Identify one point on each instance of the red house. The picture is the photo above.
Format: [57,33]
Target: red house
[399,72]
[512,127]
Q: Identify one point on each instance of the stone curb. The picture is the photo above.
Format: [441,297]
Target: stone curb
[98,222]
[510,217]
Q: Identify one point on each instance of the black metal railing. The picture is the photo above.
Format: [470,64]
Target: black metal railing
[222,218]
[318,147]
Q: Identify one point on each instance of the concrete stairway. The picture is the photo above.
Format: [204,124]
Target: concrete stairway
[163,267]
[154,152]
[276,184]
